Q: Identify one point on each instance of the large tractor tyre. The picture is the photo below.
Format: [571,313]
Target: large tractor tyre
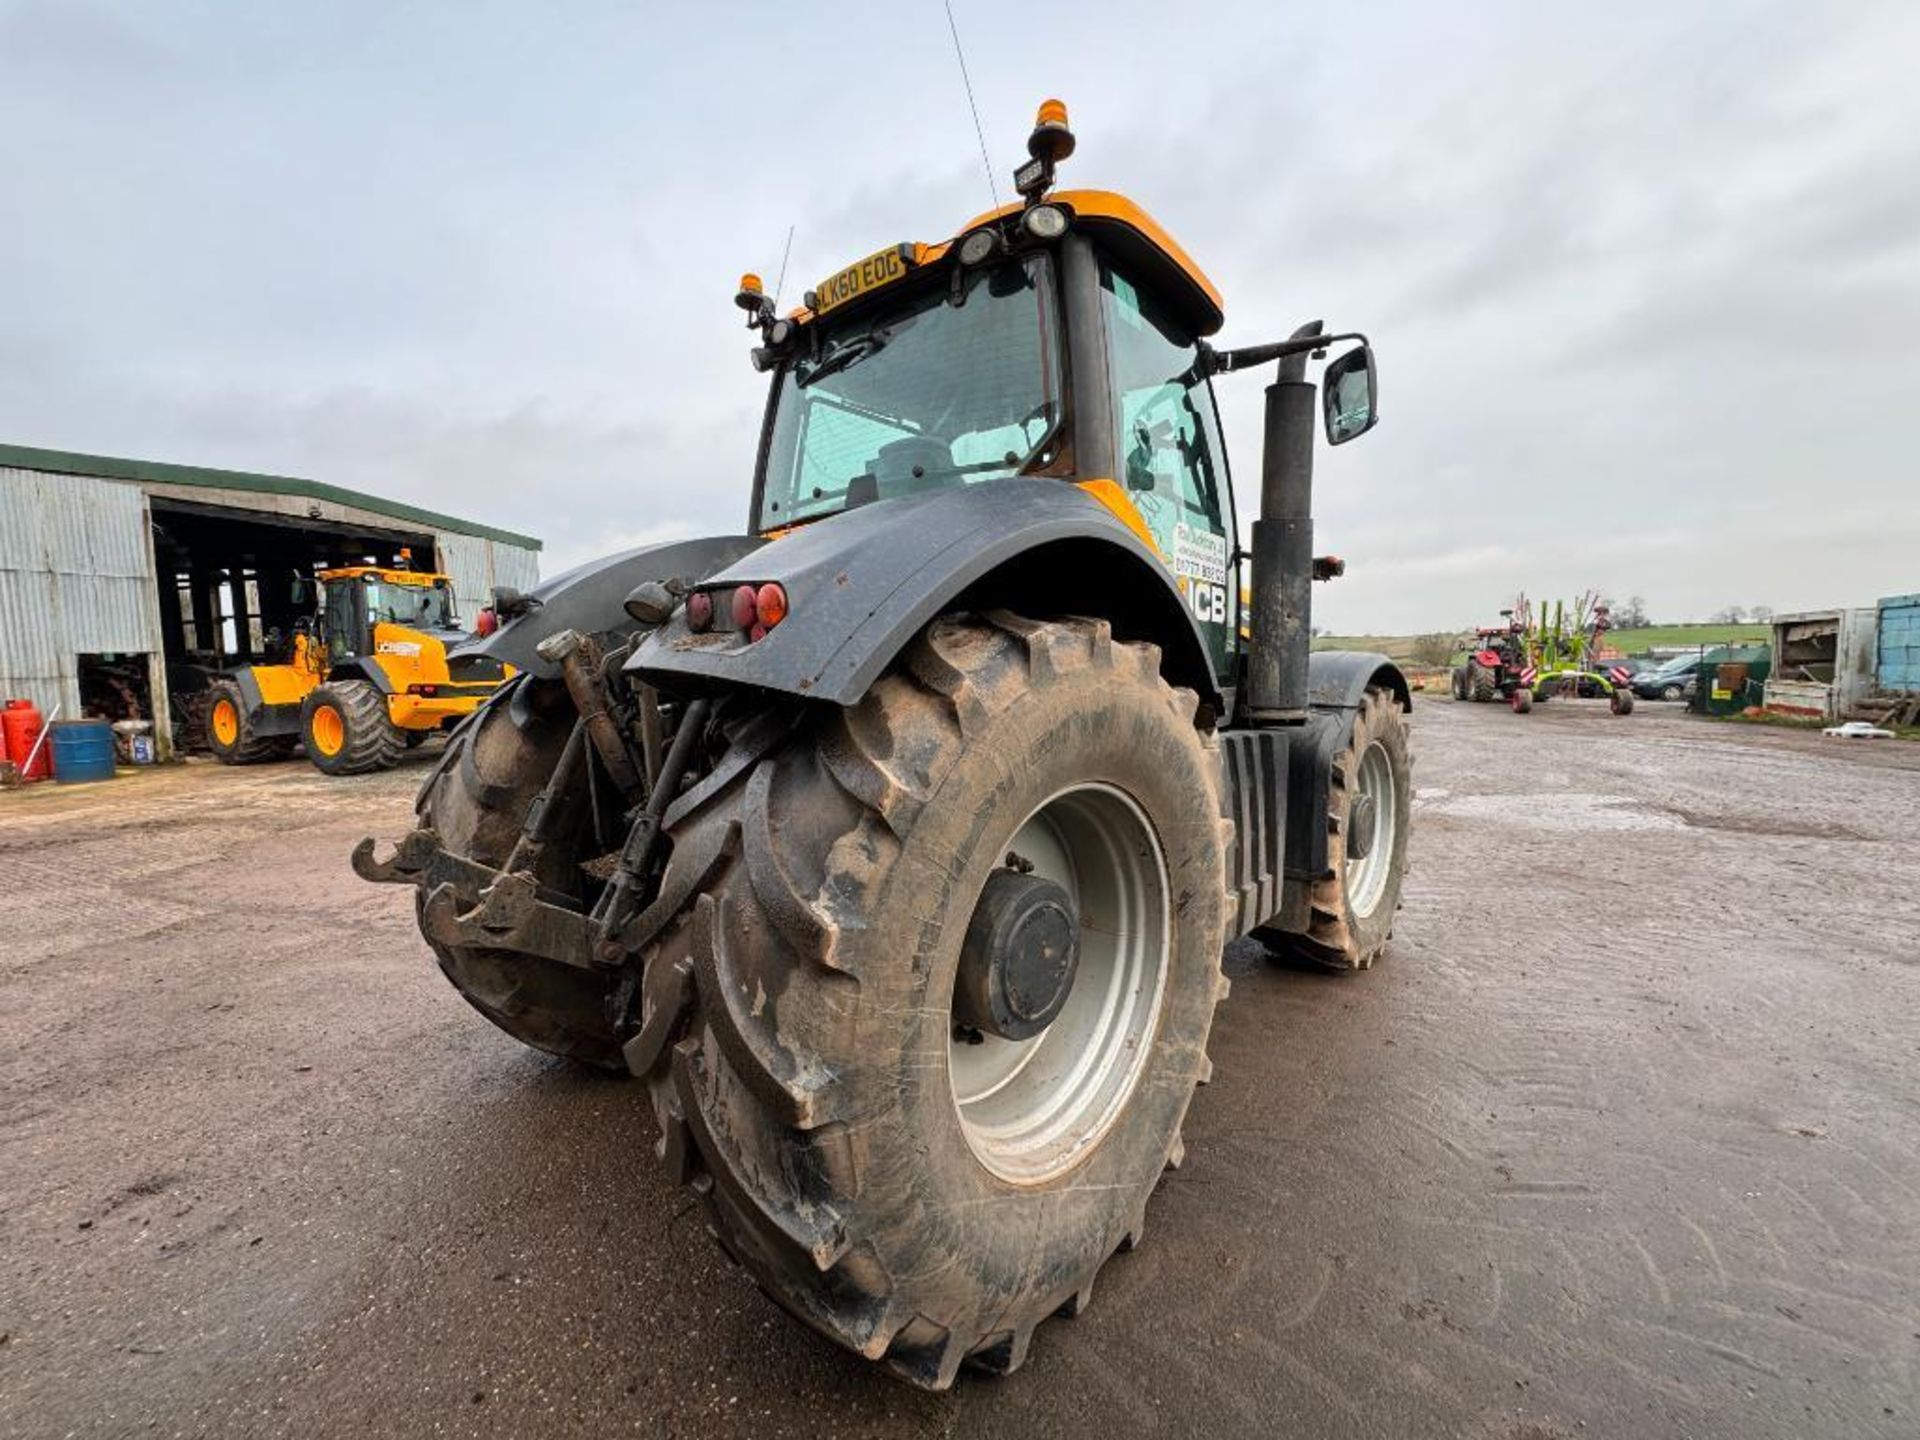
[1480,686]
[476,801]
[345,726]
[229,729]
[893,1171]
[1370,810]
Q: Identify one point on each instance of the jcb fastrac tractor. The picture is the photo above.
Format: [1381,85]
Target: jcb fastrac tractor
[894,842]
[365,678]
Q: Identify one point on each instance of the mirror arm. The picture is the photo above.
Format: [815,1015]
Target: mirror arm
[1223,362]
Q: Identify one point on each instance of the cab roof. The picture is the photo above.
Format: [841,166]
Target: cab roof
[391,574]
[1157,259]
[1154,258]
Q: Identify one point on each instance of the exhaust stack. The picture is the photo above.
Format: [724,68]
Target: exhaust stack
[1282,619]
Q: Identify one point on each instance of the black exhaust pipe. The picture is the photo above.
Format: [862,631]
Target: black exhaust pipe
[1283,548]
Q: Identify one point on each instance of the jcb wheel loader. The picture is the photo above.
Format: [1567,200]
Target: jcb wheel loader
[894,842]
[366,678]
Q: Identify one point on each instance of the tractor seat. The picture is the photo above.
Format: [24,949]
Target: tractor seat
[912,466]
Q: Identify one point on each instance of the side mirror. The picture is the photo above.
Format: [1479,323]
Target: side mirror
[300,592]
[1348,394]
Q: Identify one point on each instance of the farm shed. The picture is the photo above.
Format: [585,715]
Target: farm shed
[1822,662]
[126,584]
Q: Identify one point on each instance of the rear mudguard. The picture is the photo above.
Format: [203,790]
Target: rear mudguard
[862,583]
[591,598]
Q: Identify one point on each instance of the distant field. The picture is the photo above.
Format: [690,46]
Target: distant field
[1632,642]
[1668,636]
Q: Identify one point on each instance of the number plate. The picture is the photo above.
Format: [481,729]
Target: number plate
[882,268]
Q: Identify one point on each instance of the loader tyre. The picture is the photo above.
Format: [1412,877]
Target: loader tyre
[1521,700]
[1480,685]
[476,801]
[346,729]
[229,729]
[924,1200]
[1620,701]
[1350,911]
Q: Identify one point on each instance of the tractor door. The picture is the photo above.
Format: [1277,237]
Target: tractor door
[1172,463]
[345,628]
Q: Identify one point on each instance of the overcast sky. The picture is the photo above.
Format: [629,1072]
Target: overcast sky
[1644,280]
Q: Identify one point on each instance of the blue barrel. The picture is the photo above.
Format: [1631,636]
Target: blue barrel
[82,750]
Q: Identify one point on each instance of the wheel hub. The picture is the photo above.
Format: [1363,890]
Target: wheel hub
[1362,820]
[1019,957]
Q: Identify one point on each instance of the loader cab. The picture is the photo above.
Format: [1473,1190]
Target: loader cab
[1062,340]
[358,599]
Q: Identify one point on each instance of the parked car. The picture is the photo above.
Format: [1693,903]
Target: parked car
[1670,680]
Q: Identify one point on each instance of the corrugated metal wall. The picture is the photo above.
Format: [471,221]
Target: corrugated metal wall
[1898,669]
[75,580]
[477,564]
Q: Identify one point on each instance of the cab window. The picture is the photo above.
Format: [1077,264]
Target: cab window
[1169,453]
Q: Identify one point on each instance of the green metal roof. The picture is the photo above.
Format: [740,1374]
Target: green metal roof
[106,467]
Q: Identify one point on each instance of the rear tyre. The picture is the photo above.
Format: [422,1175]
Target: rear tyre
[1621,702]
[1521,700]
[346,729]
[229,729]
[476,801]
[1480,684]
[916,1198]
[1350,912]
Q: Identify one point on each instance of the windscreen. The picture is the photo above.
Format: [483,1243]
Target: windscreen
[419,607]
[949,388]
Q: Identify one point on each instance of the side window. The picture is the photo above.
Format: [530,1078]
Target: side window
[1169,443]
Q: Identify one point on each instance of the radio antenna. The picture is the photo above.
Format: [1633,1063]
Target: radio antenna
[967,80]
[780,284]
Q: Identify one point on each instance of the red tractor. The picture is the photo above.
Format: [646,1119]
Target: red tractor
[1494,666]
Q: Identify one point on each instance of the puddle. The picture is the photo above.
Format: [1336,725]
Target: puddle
[1560,810]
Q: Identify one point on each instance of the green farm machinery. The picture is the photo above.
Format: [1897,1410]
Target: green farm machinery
[1560,653]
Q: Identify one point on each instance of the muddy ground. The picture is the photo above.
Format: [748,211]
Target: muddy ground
[1622,1139]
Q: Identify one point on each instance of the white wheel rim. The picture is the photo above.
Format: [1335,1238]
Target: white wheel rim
[1367,876]
[1032,1109]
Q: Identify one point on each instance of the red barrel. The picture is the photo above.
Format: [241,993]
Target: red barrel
[20,726]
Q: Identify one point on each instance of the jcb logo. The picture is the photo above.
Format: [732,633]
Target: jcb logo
[1209,603]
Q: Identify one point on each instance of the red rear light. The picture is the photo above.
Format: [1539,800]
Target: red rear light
[745,611]
[486,622]
[700,611]
[770,605]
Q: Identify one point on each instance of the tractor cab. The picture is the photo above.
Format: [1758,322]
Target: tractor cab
[1061,337]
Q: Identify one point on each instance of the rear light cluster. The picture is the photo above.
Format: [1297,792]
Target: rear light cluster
[485,623]
[754,609]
